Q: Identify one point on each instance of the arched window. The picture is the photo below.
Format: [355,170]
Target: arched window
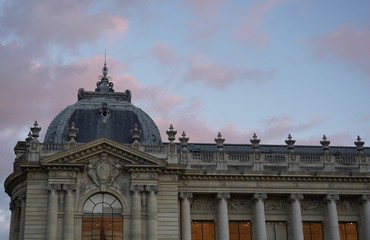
[102,218]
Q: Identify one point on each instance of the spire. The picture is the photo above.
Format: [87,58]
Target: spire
[104,85]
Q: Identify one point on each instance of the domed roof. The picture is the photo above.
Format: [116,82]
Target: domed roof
[103,113]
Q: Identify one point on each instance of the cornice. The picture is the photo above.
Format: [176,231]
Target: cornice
[102,145]
[12,180]
[364,179]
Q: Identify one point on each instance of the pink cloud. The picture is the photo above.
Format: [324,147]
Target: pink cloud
[163,54]
[204,70]
[348,44]
[253,18]
[58,23]
[278,128]
[206,22]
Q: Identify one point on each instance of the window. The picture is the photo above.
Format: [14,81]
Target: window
[312,231]
[276,231]
[348,231]
[102,218]
[202,230]
[240,230]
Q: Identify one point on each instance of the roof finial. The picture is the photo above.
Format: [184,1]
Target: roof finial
[105,69]
[104,85]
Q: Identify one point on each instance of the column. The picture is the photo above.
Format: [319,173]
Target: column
[223,216]
[366,216]
[152,226]
[136,191]
[52,227]
[259,216]
[185,215]
[22,199]
[13,220]
[68,231]
[333,227]
[296,220]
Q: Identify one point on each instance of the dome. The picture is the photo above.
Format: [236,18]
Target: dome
[103,113]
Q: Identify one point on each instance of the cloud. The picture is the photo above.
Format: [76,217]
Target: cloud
[164,55]
[252,20]
[348,44]
[39,24]
[278,128]
[201,69]
[207,17]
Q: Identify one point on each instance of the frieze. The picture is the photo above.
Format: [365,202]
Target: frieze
[203,204]
[62,174]
[239,204]
[347,205]
[311,204]
[276,205]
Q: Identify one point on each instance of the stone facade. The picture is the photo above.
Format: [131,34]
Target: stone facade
[104,189]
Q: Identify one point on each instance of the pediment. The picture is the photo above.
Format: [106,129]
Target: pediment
[103,147]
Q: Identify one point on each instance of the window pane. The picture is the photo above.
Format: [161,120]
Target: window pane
[99,221]
[196,231]
[239,230]
[348,231]
[276,230]
[202,230]
[312,231]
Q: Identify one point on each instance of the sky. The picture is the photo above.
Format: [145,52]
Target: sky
[270,67]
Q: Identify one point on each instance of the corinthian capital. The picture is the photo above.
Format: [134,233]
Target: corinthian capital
[223,195]
[187,195]
[332,197]
[136,188]
[260,196]
[152,189]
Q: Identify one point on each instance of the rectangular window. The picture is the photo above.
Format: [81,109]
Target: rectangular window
[203,230]
[240,230]
[312,231]
[348,231]
[276,231]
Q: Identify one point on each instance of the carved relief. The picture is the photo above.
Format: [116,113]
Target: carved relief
[239,204]
[203,204]
[347,205]
[277,205]
[103,171]
[311,204]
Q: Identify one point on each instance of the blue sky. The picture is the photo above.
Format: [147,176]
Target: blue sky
[272,67]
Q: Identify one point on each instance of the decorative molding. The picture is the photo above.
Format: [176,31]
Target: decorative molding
[260,196]
[53,187]
[238,204]
[203,204]
[187,195]
[296,196]
[332,197]
[151,189]
[311,204]
[277,205]
[222,195]
[136,189]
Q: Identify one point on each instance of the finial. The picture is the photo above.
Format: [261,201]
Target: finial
[135,133]
[104,85]
[359,144]
[290,142]
[255,142]
[325,143]
[35,130]
[184,140]
[220,141]
[171,133]
[72,133]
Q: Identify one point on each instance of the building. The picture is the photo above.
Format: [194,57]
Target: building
[103,172]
